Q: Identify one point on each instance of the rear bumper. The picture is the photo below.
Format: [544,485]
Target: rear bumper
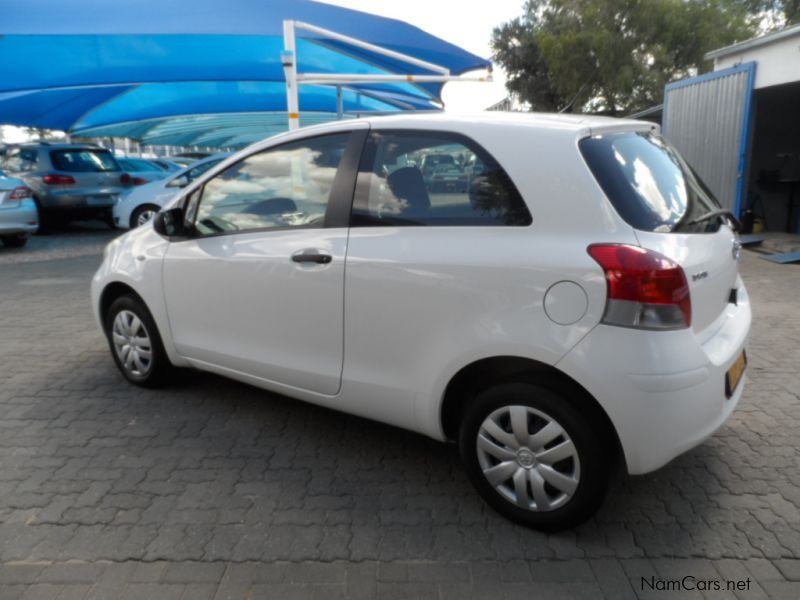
[663,391]
[22,218]
[101,200]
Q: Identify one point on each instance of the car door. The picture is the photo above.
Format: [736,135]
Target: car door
[259,288]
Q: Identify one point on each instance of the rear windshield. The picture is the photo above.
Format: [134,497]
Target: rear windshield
[649,183]
[83,161]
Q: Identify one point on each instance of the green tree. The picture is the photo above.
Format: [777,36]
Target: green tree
[39,133]
[612,56]
[777,12]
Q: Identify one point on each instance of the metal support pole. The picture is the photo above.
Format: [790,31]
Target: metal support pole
[339,103]
[327,33]
[289,60]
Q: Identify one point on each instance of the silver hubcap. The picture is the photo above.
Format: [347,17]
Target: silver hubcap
[132,343]
[144,217]
[528,458]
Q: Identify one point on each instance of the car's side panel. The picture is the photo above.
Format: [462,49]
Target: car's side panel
[421,303]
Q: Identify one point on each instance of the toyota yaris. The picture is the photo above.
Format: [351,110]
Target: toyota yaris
[573,305]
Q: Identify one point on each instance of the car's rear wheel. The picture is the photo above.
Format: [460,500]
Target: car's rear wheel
[143,214]
[534,457]
[135,343]
[14,241]
[108,218]
[46,219]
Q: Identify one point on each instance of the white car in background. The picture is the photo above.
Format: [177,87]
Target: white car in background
[141,171]
[18,215]
[578,306]
[137,205]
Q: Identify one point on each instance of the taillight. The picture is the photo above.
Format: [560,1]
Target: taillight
[20,193]
[646,289]
[126,179]
[59,179]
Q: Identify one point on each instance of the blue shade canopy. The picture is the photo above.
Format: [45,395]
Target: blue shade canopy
[94,67]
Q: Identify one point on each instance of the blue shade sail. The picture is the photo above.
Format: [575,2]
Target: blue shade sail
[86,65]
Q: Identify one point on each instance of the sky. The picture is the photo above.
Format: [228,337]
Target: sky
[467,24]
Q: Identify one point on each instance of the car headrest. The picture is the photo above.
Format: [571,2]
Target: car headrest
[408,184]
[273,206]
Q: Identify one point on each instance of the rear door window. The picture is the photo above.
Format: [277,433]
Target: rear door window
[83,161]
[649,183]
[413,178]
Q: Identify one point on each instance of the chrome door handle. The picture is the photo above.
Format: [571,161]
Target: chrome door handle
[322,259]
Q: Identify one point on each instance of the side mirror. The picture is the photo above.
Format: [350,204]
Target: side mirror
[169,223]
[179,182]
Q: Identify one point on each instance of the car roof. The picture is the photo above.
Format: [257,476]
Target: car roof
[575,125]
[573,122]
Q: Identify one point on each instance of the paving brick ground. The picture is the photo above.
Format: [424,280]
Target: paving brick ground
[212,489]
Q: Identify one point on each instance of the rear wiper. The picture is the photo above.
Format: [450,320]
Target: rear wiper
[722,212]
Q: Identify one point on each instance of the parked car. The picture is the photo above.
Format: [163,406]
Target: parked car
[447,178]
[432,160]
[196,155]
[68,180]
[579,308]
[138,205]
[166,165]
[141,171]
[18,215]
[183,161]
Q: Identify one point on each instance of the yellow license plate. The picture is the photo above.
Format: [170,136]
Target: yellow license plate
[734,374]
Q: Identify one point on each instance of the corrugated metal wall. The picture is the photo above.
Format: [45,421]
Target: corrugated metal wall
[706,118]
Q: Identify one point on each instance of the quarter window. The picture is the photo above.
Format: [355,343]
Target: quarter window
[22,159]
[430,178]
[287,186]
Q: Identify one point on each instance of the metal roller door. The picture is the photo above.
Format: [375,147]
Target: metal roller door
[707,118]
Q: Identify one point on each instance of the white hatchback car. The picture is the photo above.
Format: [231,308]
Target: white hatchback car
[576,302]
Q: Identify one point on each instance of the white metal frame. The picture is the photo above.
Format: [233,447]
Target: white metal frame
[295,79]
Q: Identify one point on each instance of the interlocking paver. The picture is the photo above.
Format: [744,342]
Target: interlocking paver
[789,568]
[209,473]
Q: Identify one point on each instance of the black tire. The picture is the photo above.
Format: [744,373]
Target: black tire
[138,212]
[14,241]
[158,368]
[594,460]
[108,219]
[46,220]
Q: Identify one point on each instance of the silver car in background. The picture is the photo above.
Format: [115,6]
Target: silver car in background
[69,181]
[18,215]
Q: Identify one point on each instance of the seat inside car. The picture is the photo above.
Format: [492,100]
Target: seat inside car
[272,206]
[408,184]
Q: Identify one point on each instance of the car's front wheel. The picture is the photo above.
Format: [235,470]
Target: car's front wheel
[135,342]
[143,214]
[14,241]
[534,457]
